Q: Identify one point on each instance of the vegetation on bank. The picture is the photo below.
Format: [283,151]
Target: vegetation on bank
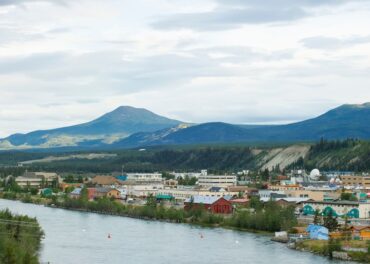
[259,217]
[326,248]
[20,238]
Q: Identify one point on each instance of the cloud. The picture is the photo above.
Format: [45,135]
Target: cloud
[234,13]
[329,43]
[20,2]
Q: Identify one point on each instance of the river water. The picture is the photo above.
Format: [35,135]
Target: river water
[75,237]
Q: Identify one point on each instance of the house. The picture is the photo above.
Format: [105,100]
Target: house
[216,205]
[107,192]
[91,193]
[64,186]
[318,232]
[75,194]
[361,232]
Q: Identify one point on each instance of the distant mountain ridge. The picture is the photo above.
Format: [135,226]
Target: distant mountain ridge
[120,123]
[129,127]
[346,121]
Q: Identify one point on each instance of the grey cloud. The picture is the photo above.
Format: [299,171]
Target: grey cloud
[19,2]
[328,43]
[234,13]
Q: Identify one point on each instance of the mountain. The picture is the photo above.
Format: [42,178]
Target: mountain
[346,121]
[129,127]
[120,123]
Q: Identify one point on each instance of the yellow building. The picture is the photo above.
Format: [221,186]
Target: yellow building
[351,180]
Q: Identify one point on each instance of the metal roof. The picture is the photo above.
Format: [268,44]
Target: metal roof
[199,199]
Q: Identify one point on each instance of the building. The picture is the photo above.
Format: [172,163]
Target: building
[189,174]
[145,177]
[361,232]
[289,201]
[224,181]
[317,194]
[107,192]
[185,193]
[282,188]
[75,194]
[102,180]
[352,180]
[318,232]
[216,205]
[338,208]
[37,179]
[267,195]
[171,183]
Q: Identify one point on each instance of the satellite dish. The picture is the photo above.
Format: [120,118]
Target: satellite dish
[315,174]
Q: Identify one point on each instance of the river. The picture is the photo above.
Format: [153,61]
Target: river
[74,237]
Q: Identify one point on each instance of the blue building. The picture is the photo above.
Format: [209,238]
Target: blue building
[318,232]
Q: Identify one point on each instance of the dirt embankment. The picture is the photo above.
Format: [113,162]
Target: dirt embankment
[284,156]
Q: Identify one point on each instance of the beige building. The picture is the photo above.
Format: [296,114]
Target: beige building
[37,179]
[316,195]
[351,180]
[224,181]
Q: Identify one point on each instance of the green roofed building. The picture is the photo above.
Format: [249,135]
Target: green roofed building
[164,197]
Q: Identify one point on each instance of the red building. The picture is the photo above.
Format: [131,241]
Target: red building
[216,205]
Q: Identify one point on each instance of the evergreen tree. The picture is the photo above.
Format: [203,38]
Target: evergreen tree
[317,220]
[330,222]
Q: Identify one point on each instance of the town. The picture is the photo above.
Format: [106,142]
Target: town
[327,205]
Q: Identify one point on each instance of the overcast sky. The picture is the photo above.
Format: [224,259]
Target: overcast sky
[64,62]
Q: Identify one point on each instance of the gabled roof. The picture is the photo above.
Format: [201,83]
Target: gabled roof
[199,199]
[105,180]
[76,191]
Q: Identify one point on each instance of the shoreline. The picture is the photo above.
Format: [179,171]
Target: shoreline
[296,247]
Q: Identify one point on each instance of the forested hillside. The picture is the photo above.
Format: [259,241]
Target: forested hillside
[349,155]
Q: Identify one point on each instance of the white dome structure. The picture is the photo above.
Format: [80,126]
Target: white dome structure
[315,174]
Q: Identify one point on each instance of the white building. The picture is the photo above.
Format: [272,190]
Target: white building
[145,177]
[338,208]
[189,174]
[224,181]
[183,194]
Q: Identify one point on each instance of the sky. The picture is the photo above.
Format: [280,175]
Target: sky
[65,62]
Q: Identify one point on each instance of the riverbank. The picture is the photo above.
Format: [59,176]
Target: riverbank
[77,237]
[267,218]
[337,249]
[313,246]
